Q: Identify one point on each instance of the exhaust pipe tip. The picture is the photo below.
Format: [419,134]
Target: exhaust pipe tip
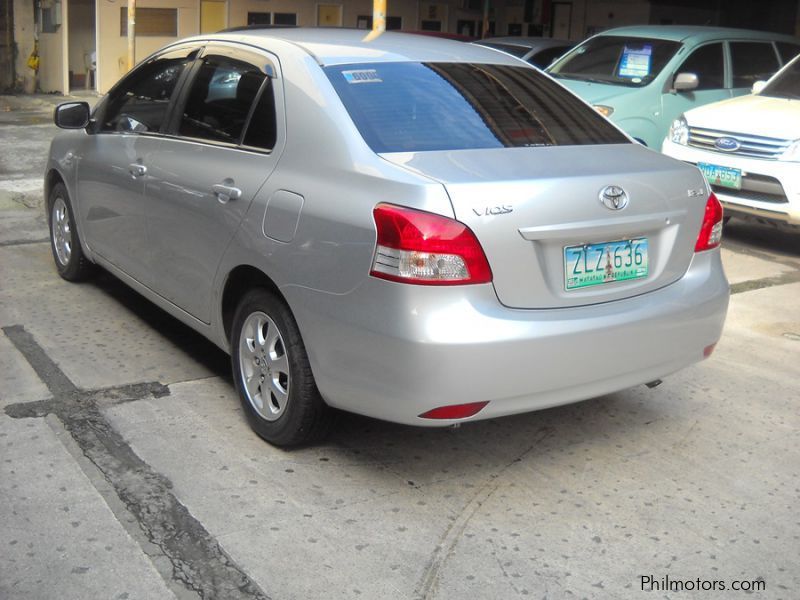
[654,383]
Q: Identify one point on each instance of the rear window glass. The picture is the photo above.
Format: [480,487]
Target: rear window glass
[545,58]
[412,107]
[629,61]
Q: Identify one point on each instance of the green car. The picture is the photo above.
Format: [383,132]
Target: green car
[644,77]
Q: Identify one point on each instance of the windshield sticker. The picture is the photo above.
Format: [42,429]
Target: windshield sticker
[362,76]
[635,61]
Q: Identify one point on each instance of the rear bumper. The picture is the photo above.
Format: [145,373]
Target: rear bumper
[742,203]
[394,351]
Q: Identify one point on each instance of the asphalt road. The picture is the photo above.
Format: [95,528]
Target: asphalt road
[127,469]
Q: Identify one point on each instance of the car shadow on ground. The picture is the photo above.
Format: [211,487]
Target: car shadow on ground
[182,336]
[748,237]
[362,438]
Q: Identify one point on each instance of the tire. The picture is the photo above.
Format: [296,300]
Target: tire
[272,374]
[68,255]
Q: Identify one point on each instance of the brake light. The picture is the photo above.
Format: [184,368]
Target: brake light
[711,230]
[428,249]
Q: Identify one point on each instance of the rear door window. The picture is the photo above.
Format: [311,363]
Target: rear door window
[220,99]
[708,63]
[411,107]
[752,61]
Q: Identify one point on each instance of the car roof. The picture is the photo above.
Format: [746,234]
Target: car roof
[527,42]
[698,33]
[337,46]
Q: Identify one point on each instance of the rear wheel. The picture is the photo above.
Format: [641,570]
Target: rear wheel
[70,261]
[272,374]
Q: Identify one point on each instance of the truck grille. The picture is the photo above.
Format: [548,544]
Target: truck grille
[760,188]
[750,145]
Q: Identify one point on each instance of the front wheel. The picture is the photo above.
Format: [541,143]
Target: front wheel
[272,373]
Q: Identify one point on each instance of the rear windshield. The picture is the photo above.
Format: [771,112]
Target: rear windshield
[629,61]
[413,107]
[785,85]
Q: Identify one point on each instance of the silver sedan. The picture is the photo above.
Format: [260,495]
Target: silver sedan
[408,228]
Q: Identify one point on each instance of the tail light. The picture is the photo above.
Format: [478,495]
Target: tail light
[711,230]
[428,249]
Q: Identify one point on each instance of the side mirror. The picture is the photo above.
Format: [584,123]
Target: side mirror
[72,115]
[758,86]
[686,82]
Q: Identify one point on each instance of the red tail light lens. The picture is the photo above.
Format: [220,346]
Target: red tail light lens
[424,248]
[454,411]
[711,230]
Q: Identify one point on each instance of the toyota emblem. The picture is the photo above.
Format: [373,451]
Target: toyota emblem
[613,197]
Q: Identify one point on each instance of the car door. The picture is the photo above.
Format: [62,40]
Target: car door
[708,63]
[112,167]
[224,141]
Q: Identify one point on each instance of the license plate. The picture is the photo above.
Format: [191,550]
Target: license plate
[596,264]
[722,176]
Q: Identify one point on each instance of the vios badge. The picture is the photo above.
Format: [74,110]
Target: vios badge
[727,144]
[613,197]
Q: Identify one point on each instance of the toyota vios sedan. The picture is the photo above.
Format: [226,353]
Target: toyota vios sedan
[410,228]
[749,149]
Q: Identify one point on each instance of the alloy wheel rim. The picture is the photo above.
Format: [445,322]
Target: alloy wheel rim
[61,231]
[264,366]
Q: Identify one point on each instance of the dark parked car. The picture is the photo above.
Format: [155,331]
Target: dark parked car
[540,52]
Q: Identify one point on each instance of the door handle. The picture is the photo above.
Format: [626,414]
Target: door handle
[226,193]
[136,170]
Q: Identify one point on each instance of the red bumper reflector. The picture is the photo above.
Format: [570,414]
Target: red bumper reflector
[708,350]
[454,411]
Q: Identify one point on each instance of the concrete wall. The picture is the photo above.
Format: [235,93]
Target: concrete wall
[53,52]
[112,55]
[605,15]
[683,15]
[81,33]
[24,29]
[306,11]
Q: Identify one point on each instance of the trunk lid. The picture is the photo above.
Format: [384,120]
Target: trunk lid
[526,205]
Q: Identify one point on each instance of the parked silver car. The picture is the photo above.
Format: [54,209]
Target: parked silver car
[413,229]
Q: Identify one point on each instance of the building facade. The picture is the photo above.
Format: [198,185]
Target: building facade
[82,44]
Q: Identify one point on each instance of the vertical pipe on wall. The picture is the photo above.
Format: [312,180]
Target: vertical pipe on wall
[379,16]
[378,20]
[131,33]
